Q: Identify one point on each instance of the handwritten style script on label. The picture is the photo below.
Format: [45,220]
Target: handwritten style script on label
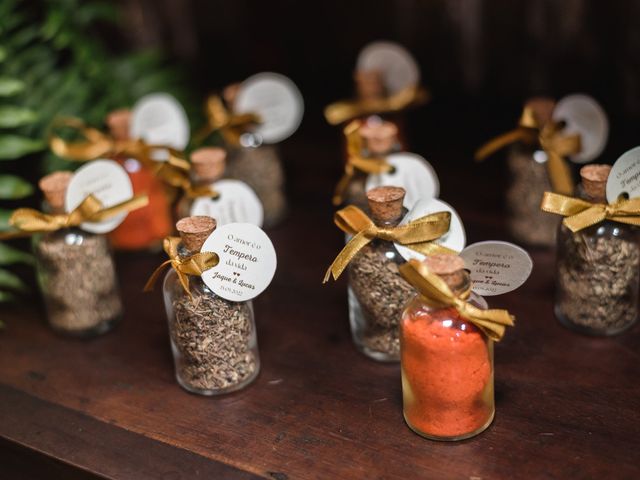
[496,267]
[247,261]
[625,176]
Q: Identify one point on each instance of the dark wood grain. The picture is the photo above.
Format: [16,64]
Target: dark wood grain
[568,406]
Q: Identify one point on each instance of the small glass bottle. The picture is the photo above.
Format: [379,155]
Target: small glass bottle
[379,139]
[529,179]
[213,340]
[377,291]
[207,167]
[75,271]
[598,268]
[447,362]
[146,227]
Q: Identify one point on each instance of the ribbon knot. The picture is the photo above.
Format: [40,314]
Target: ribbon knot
[231,125]
[340,112]
[418,235]
[435,292]
[556,145]
[580,214]
[356,162]
[195,264]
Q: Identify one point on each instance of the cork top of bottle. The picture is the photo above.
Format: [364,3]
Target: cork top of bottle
[54,186]
[195,230]
[386,203]
[369,84]
[451,269]
[541,108]
[379,137]
[208,163]
[594,181]
[118,122]
[230,93]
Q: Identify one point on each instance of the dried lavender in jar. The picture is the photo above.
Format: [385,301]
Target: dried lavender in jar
[377,291]
[76,272]
[213,340]
[598,269]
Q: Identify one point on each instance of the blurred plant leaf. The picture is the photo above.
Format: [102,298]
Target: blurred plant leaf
[3,54]
[6,297]
[4,218]
[12,187]
[10,86]
[9,280]
[16,146]
[12,116]
[11,256]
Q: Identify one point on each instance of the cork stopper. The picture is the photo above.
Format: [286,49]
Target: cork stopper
[594,181]
[54,186]
[541,108]
[194,231]
[230,93]
[386,203]
[118,122]
[208,163]
[379,137]
[369,84]
[451,269]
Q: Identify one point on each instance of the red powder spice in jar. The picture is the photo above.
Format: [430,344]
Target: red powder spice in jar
[447,367]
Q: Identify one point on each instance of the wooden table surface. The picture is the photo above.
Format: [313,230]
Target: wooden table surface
[568,406]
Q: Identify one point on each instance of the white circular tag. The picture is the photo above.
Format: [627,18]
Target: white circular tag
[398,67]
[454,239]
[247,261]
[277,101]
[159,119]
[496,267]
[411,172]
[624,177]
[108,182]
[237,203]
[584,116]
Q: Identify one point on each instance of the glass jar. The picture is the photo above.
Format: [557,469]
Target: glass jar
[447,369]
[213,340]
[77,276]
[260,167]
[529,179]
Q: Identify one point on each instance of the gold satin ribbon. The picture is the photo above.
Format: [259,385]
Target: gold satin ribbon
[29,221]
[580,214]
[193,265]
[356,162]
[418,235]
[231,125]
[554,144]
[340,112]
[436,293]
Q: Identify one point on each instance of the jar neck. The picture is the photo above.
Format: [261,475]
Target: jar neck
[459,283]
[379,222]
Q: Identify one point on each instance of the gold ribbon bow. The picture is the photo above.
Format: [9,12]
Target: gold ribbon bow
[340,112]
[193,265]
[418,235]
[580,214]
[29,221]
[356,162]
[231,125]
[555,145]
[436,293]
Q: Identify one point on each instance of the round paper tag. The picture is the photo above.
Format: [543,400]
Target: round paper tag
[454,239]
[277,101]
[583,115]
[411,172]
[159,119]
[496,267]
[398,67]
[108,182]
[624,177]
[247,261]
[237,203]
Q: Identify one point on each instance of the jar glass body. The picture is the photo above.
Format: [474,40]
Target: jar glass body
[260,167]
[377,296]
[528,181]
[213,340]
[77,277]
[447,372]
[598,276]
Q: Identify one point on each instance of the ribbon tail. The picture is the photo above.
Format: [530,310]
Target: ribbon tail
[341,188]
[349,251]
[431,248]
[148,287]
[501,141]
[559,174]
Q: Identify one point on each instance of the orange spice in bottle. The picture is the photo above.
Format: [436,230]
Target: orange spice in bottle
[447,363]
[146,227]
